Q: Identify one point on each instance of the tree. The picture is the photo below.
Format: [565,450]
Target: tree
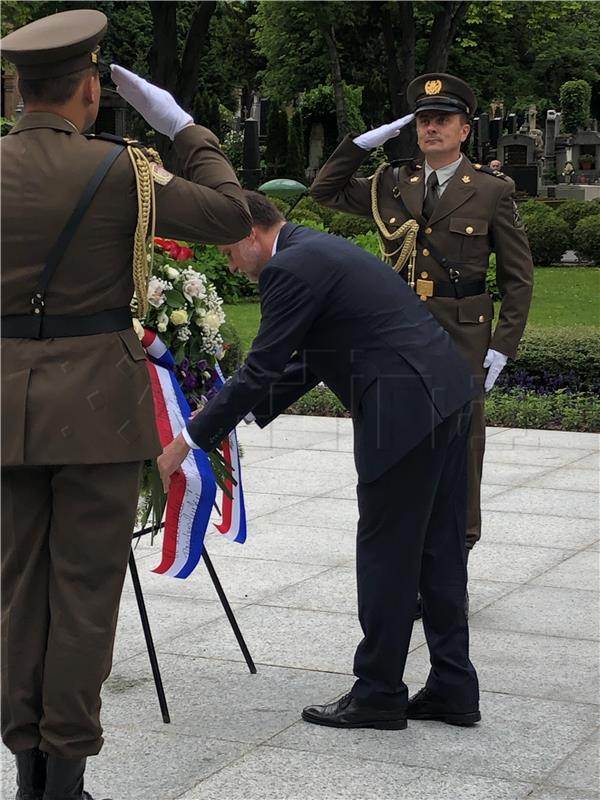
[575,99]
[277,141]
[296,161]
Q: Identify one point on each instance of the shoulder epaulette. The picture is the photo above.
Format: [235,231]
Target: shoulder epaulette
[110,137]
[489,171]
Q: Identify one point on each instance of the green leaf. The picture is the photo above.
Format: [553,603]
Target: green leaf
[175,298]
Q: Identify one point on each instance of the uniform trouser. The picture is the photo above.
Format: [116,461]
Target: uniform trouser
[475,469]
[411,536]
[66,538]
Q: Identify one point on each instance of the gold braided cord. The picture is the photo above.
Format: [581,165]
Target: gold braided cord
[407,249]
[143,250]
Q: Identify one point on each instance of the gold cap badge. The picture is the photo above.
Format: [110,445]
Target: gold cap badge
[414,179]
[466,179]
[433,87]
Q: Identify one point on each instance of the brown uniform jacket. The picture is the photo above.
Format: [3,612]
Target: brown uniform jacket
[475,215]
[87,400]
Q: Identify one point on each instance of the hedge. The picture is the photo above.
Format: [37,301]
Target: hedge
[552,359]
[586,238]
[515,408]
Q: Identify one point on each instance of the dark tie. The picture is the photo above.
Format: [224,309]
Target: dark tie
[431,197]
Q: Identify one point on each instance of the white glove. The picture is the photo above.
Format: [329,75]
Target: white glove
[494,363]
[378,136]
[156,106]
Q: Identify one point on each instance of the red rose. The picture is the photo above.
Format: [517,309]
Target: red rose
[184,254]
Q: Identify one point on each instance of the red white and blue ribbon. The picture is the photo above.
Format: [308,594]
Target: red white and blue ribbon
[233,509]
[192,490]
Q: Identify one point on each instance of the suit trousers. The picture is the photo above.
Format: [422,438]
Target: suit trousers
[411,535]
[66,539]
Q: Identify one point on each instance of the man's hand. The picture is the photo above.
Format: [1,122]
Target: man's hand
[156,106]
[494,363]
[171,459]
[379,136]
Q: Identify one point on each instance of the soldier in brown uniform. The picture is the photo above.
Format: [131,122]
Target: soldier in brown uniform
[77,410]
[461,212]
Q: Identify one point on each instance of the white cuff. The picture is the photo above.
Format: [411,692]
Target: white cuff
[188,439]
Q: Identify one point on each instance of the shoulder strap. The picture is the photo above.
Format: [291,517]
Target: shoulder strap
[67,233]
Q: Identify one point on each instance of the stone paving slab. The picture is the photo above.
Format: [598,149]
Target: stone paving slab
[534,631]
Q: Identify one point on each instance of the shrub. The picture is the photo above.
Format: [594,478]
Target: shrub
[574,210]
[549,236]
[350,225]
[214,265]
[586,238]
[370,242]
[563,358]
[575,99]
[308,208]
[515,408]
[530,207]
[6,123]
[234,353]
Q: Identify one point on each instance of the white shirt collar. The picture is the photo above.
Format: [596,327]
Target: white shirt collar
[274,248]
[443,173]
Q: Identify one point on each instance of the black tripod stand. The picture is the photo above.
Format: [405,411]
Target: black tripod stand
[162,700]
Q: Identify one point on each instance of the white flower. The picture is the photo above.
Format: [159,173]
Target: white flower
[184,333]
[172,273]
[156,289]
[212,321]
[138,328]
[162,327]
[193,286]
[179,316]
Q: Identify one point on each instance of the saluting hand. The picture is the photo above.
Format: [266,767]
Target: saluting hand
[156,105]
[379,136]
[171,459]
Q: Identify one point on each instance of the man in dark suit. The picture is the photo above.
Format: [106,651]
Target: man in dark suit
[331,311]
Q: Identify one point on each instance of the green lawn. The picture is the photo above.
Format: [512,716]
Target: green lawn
[562,297]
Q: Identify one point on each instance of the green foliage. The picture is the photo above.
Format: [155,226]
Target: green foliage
[490,279]
[296,161]
[233,147]
[586,238]
[575,99]
[518,408]
[6,123]
[566,356]
[206,111]
[213,264]
[350,225]
[234,353]
[549,235]
[514,408]
[370,242]
[574,210]
[277,142]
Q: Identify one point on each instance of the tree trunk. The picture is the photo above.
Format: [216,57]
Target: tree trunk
[399,36]
[446,23]
[328,32]
[195,47]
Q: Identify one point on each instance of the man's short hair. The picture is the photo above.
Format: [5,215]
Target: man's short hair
[264,214]
[53,91]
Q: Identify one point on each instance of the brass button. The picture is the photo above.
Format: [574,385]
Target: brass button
[392,220]
[425,252]
[423,297]
[481,318]
[469,229]
[424,274]
[428,230]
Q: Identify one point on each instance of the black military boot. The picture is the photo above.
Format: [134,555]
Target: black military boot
[31,774]
[64,779]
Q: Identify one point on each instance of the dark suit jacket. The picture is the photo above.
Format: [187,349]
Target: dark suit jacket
[333,312]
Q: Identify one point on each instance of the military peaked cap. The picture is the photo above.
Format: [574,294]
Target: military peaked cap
[437,91]
[56,45]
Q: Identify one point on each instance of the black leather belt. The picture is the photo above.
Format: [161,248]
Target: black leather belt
[51,326]
[467,289]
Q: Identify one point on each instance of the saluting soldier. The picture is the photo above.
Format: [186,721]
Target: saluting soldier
[77,412]
[451,214]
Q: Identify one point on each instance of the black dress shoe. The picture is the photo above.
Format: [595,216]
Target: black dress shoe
[347,712]
[426,705]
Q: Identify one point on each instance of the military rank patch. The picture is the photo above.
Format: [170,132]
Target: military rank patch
[161,175]
[517,221]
